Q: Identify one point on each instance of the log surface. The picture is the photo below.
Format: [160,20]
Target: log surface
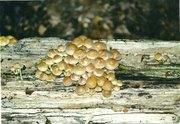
[150,91]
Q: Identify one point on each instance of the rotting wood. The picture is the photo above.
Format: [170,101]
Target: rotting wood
[150,94]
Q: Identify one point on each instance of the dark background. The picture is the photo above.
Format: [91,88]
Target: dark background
[133,19]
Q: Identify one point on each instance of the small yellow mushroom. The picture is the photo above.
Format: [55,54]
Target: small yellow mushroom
[104,54]
[90,68]
[98,89]
[101,80]
[70,59]
[38,73]
[99,46]
[67,81]
[106,93]
[61,48]
[98,72]
[42,66]
[82,81]
[92,54]
[49,61]
[3,41]
[82,37]
[78,42]
[79,70]
[111,64]
[61,65]
[57,59]
[50,77]
[80,90]
[110,76]
[107,86]
[99,63]
[52,52]
[115,54]
[55,70]
[88,43]
[85,62]
[70,49]
[79,54]
[12,40]
[43,76]
[116,88]
[75,77]
[91,82]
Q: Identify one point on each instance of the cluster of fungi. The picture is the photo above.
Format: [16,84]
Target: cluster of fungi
[6,40]
[89,65]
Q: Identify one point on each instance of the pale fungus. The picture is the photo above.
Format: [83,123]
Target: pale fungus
[99,46]
[70,49]
[92,54]
[42,66]
[91,82]
[67,81]
[106,93]
[115,54]
[111,64]
[86,63]
[80,90]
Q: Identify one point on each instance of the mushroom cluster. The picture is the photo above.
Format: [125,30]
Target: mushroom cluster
[5,40]
[82,62]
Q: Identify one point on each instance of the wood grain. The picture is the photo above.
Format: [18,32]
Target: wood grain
[150,91]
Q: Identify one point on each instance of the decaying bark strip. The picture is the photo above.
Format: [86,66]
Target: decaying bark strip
[150,93]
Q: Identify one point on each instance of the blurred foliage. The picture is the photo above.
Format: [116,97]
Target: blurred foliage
[153,19]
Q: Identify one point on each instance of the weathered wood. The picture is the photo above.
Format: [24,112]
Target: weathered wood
[148,94]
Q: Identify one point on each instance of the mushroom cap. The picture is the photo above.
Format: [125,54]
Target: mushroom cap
[42,66]
[90,68]
[79,54]
[99,46]
[69,67]
[55,70]
[78,42]
[61,65]
[12,40]
[99,63]
[101,80]
[110,76]
[98,72]
[75,77]
[67,81]
[111,64]
[115,54]
[3,41]
[158,56]
[91,82]
[88,43]
[107,86]
[80,90]
[61,48]
[98,89]
[70,59]
[82,81]
[67,73]
[85,62]
[92,54]
[57,59]
[82,37]
[79,70]
[43,76]
[49,61]
[52,52]
[50,77]
[38,73]
[70,48]
[106,93]
[104,54]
